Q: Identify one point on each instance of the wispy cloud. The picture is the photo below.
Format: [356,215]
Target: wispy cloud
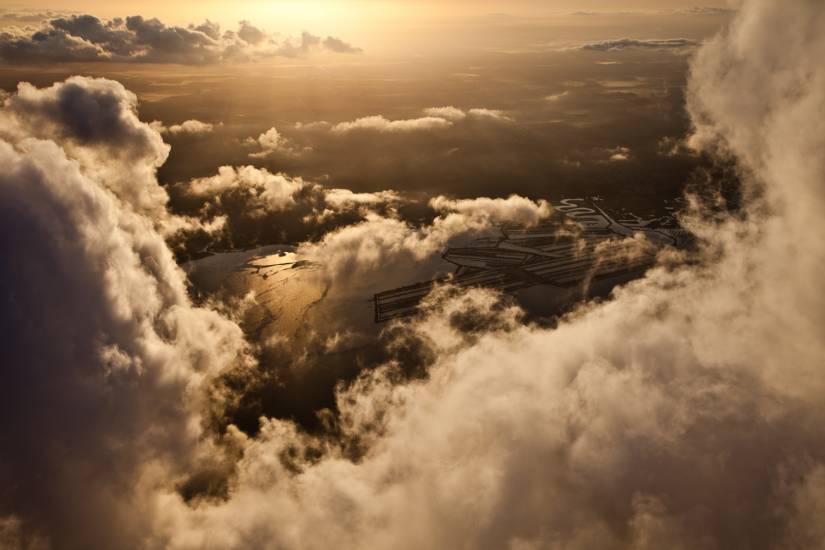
[619,44]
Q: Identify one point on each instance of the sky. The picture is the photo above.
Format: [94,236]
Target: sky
[385,25]
[602,219]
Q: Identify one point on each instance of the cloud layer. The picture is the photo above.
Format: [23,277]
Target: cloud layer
[83,38]
[686,412]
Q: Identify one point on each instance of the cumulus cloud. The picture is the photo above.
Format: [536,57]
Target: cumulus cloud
[137,39]
[103,354]
[379,123]
[385,250]
[187,127]
[96,122]
[488,113]
[252,204]
[334,44]
[514,209]
[447,112]
[266,191]
[619,154]
[434,118]
[455,114]
[649,44]
[340,198]
[328,203]
[250,33]
[274,142]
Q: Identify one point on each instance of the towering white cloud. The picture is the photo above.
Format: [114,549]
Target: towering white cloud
[103,355]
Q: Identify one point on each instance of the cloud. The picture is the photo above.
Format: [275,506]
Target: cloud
[342,198]
[488,113]
[557,97]
[337,45]
[273,142]
[187,127]
[619,154]
[385,250]
[329,203]
[266,191]
[250,33]
[379,123]
[514,209]
[672,416]
[253,205]
[705,10]
[455,114]
[28,16]
[434,118]
[103,355]
[137,39]
[96,121]
[684,412]
[448,113]
[625,43]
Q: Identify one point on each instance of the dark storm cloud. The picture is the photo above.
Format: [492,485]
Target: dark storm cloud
[138,39]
